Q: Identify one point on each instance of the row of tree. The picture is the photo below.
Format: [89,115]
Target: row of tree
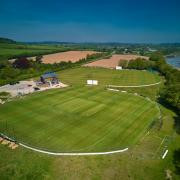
[138,63]
[171,93]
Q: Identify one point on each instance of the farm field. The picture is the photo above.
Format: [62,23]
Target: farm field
[14,50]
[113,61]
[84,119]
[108,77]
[72,56]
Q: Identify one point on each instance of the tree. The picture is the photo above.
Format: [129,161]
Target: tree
[171,95]
[39,59]
[176,161]
[22,63]
[156,56]
[123,63]
[6,40]
[140,64]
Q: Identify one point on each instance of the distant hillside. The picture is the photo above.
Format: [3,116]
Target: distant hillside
[10,49]
[6,40]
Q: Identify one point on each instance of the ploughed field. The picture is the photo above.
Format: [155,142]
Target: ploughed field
[82,118]
[108,76]
[113,61]
[78,119]
[72,56]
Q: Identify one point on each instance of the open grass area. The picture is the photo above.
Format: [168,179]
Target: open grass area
[108,76]
[137,163]
[77,117]
[83,119]
[149,91]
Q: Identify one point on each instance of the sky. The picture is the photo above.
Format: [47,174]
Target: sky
[124,21]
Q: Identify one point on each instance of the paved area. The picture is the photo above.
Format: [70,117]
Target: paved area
[26,87]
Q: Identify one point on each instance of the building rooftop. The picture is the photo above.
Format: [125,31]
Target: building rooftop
[49,75]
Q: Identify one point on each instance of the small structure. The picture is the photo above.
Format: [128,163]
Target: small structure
[118,68]
[92,82]
[48,78]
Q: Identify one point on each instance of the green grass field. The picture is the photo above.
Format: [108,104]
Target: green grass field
[80,115]
[108,77]
[83,119]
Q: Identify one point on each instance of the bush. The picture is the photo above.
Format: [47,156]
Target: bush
[123,63]
[176,161]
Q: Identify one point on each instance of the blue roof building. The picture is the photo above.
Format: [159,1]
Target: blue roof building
[49,75]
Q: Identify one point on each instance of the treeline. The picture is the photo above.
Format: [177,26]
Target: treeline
[170,95]
[139,64]
[6,40]
[22,68]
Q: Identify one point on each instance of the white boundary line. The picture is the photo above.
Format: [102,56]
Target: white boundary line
[145,85]
[73,154]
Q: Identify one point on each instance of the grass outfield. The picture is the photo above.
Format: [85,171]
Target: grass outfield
[108,76]
[142,161]
[81,119]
